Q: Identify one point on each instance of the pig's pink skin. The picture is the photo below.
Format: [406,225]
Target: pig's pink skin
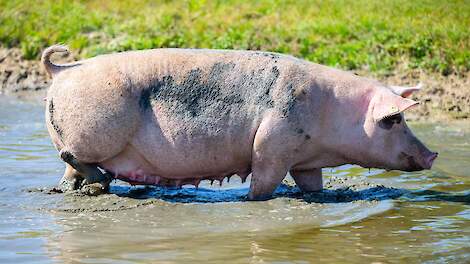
[177,116]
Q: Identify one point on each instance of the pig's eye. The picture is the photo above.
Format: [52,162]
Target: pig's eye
[388,122]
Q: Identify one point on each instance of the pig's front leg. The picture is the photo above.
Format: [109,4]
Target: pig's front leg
[308,180]
[270,161]
[265,178]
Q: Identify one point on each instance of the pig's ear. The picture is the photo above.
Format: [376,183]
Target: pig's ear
[405,91]
[388,104]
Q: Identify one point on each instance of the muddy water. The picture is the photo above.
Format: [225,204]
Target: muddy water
[362,217]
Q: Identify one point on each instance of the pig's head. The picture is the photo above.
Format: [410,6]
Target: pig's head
[390,142]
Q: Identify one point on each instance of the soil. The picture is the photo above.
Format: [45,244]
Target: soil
[122,197]
[442,97]
[24,78]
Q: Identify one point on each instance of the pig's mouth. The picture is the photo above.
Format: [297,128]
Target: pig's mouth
[412,164]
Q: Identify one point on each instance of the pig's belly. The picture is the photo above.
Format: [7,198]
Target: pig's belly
[156,158]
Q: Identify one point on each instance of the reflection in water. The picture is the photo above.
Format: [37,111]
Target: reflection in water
[362,216]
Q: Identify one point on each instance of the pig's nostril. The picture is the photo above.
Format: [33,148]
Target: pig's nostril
[430,159]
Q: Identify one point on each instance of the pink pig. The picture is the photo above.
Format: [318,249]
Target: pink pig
[171,117]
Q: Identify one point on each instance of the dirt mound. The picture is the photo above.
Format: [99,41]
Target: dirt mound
[441,98]
[19,75]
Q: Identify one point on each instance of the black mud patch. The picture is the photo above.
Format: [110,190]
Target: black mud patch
[144,100]
[271,55]
[54,124]
[68,157]
[289,105]
[194,95]
[222,89]
[266,98]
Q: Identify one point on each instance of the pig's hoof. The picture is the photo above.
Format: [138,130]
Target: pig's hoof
[67,185]
[94,189]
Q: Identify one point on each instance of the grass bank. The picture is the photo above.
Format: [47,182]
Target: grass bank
[376,36]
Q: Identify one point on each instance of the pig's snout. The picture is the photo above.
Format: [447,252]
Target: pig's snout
[429,159]
[418,156]
[422,161]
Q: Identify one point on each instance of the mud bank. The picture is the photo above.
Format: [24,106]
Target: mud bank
[442,98]
[19,76]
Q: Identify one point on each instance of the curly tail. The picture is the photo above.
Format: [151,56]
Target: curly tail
[52,68]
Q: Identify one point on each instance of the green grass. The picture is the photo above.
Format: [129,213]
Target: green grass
[377,36]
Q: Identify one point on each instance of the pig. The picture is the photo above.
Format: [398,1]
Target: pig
[171,117]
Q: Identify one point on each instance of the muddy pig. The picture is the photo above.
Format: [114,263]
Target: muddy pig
[172,117]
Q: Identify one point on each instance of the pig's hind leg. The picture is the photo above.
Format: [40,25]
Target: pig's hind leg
[308,180]
[86,177]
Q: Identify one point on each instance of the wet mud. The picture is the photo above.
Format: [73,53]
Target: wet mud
[125,197]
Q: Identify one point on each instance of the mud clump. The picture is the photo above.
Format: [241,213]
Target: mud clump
[53,190]
[347,189]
